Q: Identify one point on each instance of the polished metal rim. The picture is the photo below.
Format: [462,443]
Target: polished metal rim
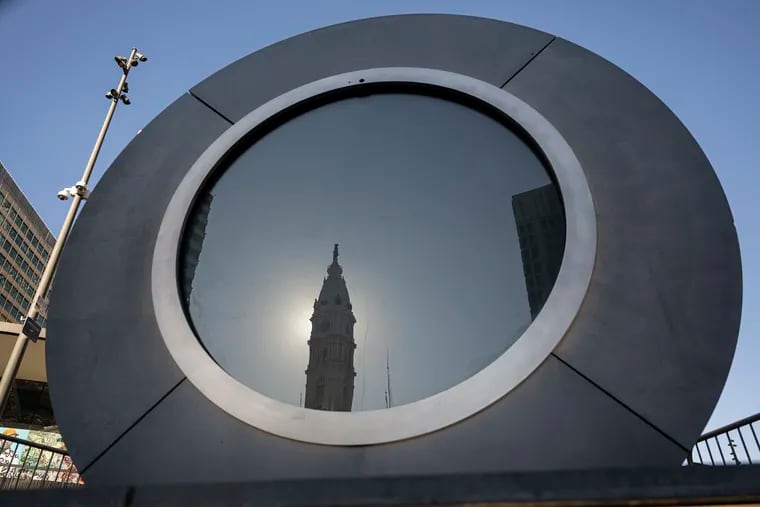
[429,414]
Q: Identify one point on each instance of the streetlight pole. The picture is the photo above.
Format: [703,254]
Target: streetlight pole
[78,193]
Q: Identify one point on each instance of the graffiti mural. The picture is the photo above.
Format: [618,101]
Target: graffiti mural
[36,463]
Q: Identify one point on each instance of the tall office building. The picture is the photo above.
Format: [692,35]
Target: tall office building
[25,245]
[195,235]
[540,221]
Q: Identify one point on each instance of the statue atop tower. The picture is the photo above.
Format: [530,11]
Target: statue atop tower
[330,373]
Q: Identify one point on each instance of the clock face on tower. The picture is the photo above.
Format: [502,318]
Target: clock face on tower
[324,325]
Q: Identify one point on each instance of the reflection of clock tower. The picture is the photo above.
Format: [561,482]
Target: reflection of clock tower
[330,374]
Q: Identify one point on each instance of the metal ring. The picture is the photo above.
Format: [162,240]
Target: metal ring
[429,414]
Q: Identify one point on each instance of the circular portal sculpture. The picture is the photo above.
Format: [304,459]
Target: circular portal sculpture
[538,268]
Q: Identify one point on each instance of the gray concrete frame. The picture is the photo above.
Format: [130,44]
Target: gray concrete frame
[631,383]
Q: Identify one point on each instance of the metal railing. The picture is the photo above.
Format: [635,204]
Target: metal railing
[734,444]
[31,465]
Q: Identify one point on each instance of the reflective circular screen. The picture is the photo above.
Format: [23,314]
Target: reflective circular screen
[371,252]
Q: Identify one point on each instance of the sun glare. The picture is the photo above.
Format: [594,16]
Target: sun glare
[302,325]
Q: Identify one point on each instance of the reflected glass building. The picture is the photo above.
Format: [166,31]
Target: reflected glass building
[195,233]
[541,229]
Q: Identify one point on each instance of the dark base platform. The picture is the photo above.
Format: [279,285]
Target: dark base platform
[693,485]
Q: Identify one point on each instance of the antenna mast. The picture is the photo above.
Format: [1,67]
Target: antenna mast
[364,363]
[388,395]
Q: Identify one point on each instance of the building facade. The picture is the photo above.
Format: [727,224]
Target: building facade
[25,245]
[193,244]
[540,225]
[330,373]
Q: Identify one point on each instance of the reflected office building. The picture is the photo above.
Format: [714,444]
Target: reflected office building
[541,230]
[330,373]
[193,243]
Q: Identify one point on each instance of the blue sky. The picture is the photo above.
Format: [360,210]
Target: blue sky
[699,57]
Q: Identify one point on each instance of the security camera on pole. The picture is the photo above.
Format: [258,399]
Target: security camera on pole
[78,192]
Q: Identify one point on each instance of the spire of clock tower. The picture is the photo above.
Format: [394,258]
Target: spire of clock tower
[330,373]
[334,269]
